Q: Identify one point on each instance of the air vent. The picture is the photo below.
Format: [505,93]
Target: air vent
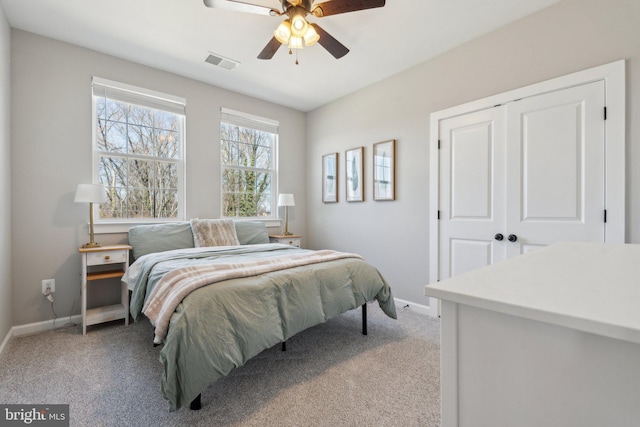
[221,61]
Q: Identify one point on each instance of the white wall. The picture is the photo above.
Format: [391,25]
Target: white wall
[51,154]
[570,36]
[5,178]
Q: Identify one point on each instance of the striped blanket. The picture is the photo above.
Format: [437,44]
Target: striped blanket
[177,284]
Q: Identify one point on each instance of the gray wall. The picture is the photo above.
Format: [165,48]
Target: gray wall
[568,37]
[5,179]
[51,154]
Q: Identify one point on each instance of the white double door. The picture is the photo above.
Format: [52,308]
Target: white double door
[522,175]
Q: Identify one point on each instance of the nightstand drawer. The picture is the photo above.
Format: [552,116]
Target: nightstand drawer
[295,241]
[287,240]
[106,257]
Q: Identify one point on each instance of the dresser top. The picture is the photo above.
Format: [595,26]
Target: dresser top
[592,287]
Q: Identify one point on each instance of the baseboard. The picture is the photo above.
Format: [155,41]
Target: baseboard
[47,325]
[418,308]
[6,340]
[32,328]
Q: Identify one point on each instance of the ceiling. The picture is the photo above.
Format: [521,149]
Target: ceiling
[177,36]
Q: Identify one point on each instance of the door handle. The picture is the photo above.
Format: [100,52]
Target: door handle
[512,237]
[498,237]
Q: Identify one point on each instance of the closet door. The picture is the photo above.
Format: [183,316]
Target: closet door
[472,191]
[519,176]
[555,168]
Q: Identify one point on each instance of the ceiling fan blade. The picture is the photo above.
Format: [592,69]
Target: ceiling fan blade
[270,49]
[327,41]
[240,6]
[335,7]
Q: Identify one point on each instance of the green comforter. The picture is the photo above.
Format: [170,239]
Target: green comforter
[220,327]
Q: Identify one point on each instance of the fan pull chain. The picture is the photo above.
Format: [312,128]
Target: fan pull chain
[291,53]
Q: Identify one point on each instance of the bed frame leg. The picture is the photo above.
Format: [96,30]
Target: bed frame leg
[196,404]
[364,319]
[284,346]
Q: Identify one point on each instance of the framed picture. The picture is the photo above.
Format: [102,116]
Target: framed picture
[384,170]
[355,180]
[330,178]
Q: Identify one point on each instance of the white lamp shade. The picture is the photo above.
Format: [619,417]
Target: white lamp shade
[91,193]
[283,32]
[286,200]
[295,42]
[299,25]
[311,36]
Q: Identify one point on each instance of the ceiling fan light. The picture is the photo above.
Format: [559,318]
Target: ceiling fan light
[295,42]
[283,32]
[311,36]
[299,25]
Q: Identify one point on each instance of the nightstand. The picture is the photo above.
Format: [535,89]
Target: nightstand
[104,262]
[291,239]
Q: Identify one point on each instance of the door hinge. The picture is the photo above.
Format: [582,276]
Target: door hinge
[605,113]
[438,144]
[438,214]
[605,215]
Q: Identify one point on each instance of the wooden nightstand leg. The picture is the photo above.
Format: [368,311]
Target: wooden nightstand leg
[124,297]
[83,295]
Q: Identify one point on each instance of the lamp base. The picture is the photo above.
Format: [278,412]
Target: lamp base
[288,233]
[91,245]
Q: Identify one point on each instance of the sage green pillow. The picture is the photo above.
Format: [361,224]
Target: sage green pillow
[146,239]
[251,232]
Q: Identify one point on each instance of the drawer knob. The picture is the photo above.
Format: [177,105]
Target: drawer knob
[107,257]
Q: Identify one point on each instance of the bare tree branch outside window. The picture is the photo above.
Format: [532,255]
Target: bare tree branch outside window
[247,171]
[139,150]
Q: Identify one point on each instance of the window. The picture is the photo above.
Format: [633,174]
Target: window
[248,152]
[138,151]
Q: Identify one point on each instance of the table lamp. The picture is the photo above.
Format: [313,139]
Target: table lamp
[286,200]
[91,193]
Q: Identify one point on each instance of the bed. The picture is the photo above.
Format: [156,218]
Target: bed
[218,293]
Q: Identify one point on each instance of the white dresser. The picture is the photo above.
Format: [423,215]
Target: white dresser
[550,338]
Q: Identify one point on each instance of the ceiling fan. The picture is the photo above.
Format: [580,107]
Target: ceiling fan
[296,30]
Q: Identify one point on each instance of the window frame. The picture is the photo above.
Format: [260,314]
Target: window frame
[264,124]
[146,98]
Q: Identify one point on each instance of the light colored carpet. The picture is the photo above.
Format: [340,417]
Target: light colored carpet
[330,375]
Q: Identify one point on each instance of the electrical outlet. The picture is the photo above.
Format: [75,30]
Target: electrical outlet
[49,283]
